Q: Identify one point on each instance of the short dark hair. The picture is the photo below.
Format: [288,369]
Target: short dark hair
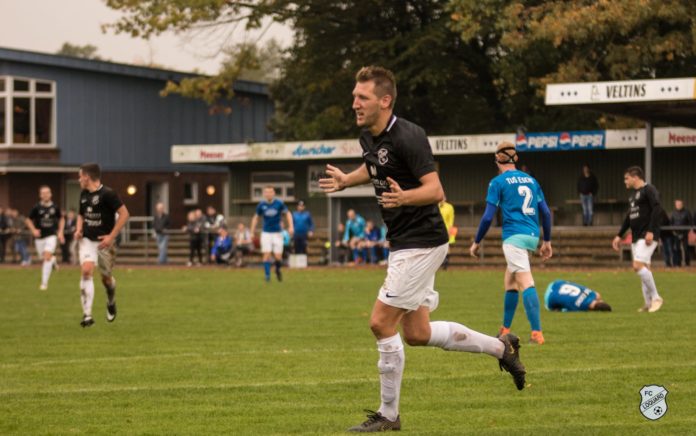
[635,171]
[91,170]
[385,81]
[602,306]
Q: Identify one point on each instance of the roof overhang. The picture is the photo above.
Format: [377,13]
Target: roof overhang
[670,101]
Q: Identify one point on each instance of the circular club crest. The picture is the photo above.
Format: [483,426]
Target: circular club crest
[653,402]
[382,156]
[95,200]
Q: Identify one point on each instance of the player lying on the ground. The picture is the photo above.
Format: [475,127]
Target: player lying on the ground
[565,296]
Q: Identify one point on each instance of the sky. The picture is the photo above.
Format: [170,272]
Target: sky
[44,25]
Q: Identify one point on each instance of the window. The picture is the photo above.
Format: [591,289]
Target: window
[191,193]
[27,112]
[2,120]
[283,182]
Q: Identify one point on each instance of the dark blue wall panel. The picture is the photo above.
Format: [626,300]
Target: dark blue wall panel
[121,121]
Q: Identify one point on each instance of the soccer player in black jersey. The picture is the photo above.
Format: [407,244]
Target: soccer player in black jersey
[97,229]
[644,217]
[399,163]
[45,222]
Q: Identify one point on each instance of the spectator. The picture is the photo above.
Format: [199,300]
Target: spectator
[221,252]
[667,238]
[4,233]
[242,244]
[286,242]
[20,233]
[354,234]
[194,227]
[160,225]
[681,217]
[587,188]
[341,246]
[212,222]
[66,248]
[373,235]
[304,227]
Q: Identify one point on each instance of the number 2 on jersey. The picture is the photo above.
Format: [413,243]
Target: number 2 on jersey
[527,194]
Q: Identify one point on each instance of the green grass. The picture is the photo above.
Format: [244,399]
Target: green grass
[220,352]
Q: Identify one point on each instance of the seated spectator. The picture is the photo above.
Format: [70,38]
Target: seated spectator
[384,244]
[373,235]
[354,234]
[221,253]
[243,244]
[340,245]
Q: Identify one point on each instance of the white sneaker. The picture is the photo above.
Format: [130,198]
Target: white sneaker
[43,288]
[645,308]
[656,304]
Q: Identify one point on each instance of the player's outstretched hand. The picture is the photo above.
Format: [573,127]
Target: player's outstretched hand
[615,243]
[546,251]
[336,180]
[396,197]
[473,250]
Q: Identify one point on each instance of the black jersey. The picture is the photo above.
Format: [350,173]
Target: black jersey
[45,218]
[98,210]
[644,214]
[402,152]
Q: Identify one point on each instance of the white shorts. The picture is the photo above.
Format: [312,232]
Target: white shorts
[272,242]
[48,243]
[517,258]
[89,251]
[643,252]
[411,278]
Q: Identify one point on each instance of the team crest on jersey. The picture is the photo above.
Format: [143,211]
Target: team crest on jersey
[52,211]
[95,200]
[382,156]
[653,402]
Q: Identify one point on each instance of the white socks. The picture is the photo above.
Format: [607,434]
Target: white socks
[46,271]
[391,369]
[452,336]
[649,288]
[87,296]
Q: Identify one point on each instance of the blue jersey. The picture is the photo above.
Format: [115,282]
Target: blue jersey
[355,228]
[271,213]
[518,195]
[568,296]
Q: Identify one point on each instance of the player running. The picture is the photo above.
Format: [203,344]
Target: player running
[565,296]
[271,209]
[520,197]
[643,218]
[399,163]
[97,229]
[46,223]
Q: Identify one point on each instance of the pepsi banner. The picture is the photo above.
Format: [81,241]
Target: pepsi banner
[561,141]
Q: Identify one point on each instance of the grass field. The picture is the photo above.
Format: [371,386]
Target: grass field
[209,351]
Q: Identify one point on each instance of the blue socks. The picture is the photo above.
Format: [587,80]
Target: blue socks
[267,270]
[511,299]
[531,306]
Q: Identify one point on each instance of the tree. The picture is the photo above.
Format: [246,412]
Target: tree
[444,83]
[531,43]
[87,51]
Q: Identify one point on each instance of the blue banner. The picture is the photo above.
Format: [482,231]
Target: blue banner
[561,141]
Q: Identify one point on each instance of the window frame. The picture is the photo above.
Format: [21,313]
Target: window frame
[193,200]
[9,94]
[283,183]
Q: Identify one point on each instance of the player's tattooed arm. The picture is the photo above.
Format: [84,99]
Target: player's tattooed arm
[429,192]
